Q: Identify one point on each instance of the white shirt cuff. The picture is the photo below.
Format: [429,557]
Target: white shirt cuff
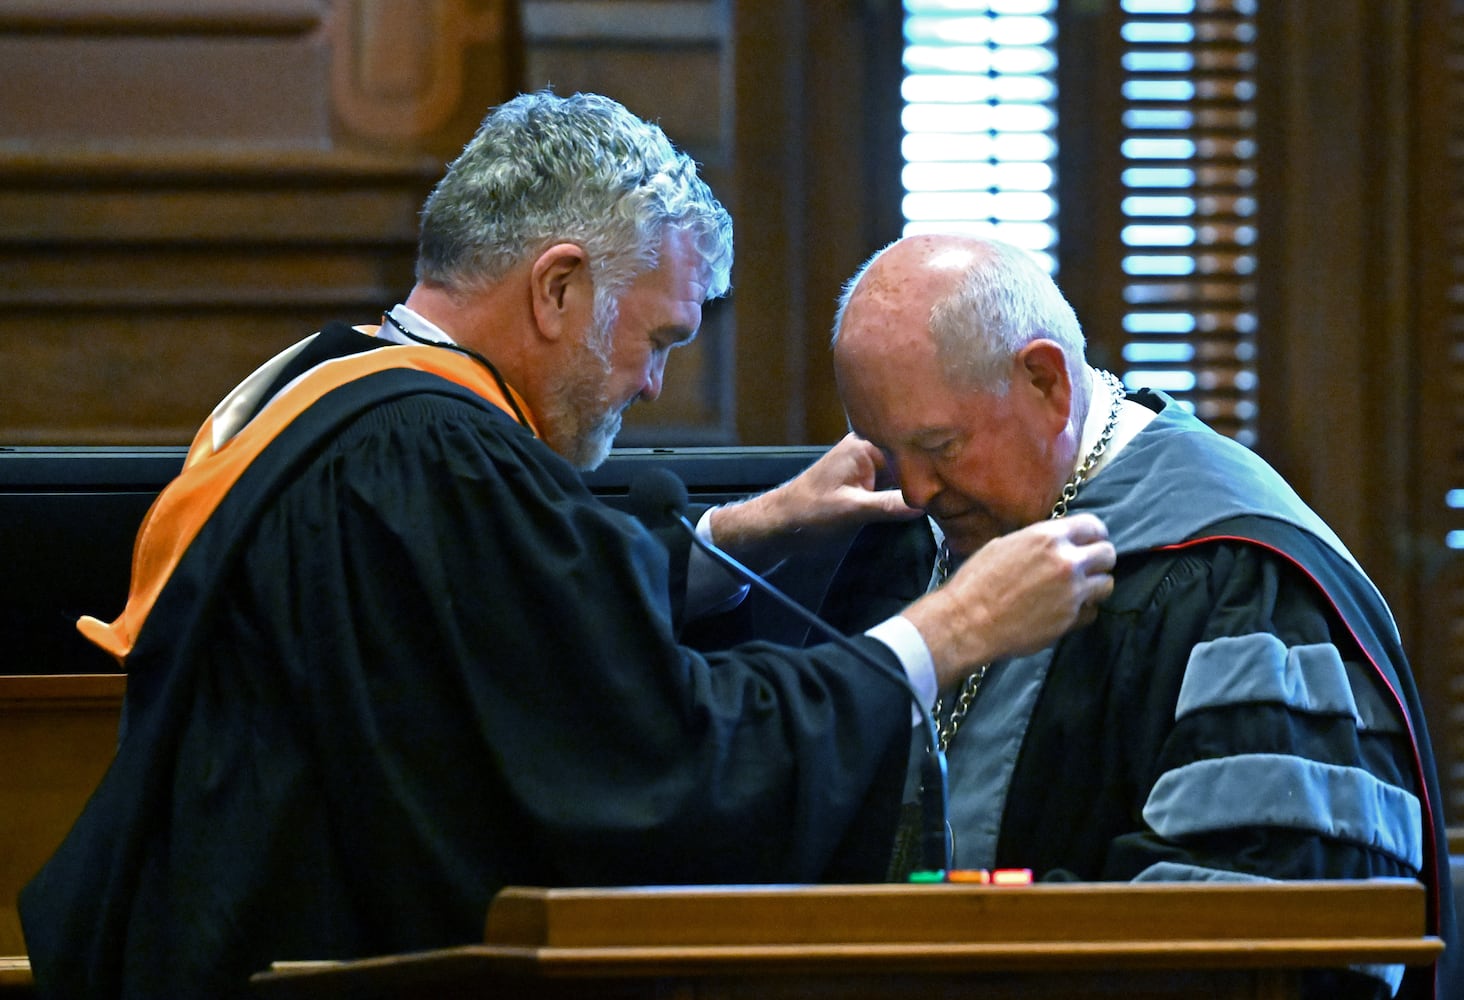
[905,640]
[711,588]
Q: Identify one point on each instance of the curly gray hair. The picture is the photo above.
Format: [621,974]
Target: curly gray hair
[544,169]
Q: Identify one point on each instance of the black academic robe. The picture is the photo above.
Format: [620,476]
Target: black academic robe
[409,659]
[1242,707]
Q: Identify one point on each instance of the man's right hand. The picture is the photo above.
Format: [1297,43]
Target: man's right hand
[1016,595]
[830,499]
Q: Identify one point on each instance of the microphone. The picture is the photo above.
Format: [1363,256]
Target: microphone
[658,496]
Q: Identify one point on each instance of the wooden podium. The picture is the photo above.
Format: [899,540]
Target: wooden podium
[878,942]
[58,734]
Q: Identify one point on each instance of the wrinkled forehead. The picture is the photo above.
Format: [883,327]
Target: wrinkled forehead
[886,368]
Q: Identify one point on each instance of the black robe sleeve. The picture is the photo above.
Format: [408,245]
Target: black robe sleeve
[438,666]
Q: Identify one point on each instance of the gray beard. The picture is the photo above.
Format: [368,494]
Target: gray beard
[581,423]
[591,448]
[584,422]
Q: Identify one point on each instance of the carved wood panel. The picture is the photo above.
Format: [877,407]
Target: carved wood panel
[187,186]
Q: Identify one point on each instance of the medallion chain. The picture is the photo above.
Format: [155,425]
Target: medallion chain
[972,683]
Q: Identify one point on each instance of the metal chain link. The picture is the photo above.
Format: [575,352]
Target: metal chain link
[972,683]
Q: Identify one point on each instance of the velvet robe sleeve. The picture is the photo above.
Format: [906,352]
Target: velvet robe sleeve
[438,666]
[1231,730]
[504,671]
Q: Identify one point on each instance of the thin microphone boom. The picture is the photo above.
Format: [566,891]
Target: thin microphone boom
[659,495]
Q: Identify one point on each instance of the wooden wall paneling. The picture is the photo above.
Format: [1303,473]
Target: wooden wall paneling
[186,188]
[1090,247]
[300,74]
[668,61]
[85,75]
[130,306]
[1413,352]
[1436,398]
[1359,306]
[851,143]
[57,737]
[1389,452]
[817,166]
[769,77]
[420,75]
[1313,303]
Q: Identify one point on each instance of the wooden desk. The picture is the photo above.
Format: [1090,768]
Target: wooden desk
[58,733]
[881,942]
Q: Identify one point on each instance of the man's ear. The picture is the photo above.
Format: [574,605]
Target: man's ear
[560,289]
[1041,366]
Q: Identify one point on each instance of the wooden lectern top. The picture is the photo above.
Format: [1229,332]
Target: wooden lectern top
[898,940]
[1054,917]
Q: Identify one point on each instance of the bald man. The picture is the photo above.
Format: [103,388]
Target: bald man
[1241,707]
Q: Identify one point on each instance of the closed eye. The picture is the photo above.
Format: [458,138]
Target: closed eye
[945,447]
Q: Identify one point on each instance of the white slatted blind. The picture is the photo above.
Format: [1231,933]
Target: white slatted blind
[1188,153]
[981,156]
[979,120]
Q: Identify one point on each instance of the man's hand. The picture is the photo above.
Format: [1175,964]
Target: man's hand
[1016,595]
[837,493]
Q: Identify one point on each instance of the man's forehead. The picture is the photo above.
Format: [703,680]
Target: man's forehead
[680,265]
[886,321]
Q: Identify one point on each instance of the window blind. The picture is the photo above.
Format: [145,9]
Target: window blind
[980,121]
[1187,151]
[979,115]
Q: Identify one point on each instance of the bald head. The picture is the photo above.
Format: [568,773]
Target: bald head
[909,277]
[978,302]
[960,360]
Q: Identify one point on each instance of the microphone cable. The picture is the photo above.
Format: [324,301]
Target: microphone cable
[658,495]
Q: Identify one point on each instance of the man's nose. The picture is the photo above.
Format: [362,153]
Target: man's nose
[919,482]
[655,378]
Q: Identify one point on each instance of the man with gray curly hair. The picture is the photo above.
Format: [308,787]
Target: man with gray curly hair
[596,198]
[387,654]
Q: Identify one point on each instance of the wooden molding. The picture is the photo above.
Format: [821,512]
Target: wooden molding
[397,70]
